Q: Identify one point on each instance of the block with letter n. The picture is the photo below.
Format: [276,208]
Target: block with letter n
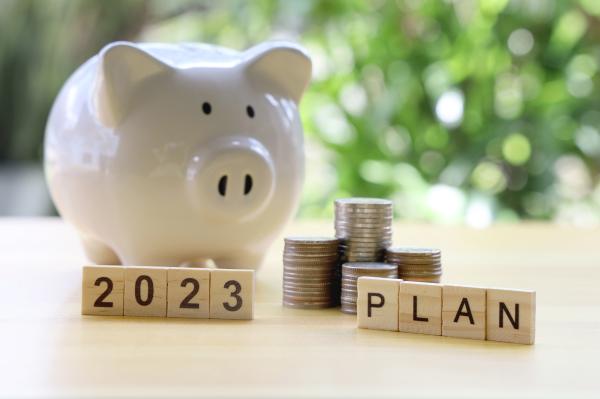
[511,315]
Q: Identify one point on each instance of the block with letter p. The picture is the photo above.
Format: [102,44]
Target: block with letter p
[377,303]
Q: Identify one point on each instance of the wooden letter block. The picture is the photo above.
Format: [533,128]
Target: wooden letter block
[420,308]
[102,290]
[188,292]
[232,294]
[463,311]
[145,291]
[511,315]
[377,303]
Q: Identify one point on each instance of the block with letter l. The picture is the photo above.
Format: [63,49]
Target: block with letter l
[420,308]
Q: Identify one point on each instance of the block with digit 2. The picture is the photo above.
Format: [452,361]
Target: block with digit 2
[188,292]
[102,290]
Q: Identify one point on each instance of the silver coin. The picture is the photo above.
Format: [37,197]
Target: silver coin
[309,305]
[363,201]
[408,251]
[309,240]
[368,266]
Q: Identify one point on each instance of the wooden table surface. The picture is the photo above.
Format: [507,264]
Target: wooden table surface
[49,349]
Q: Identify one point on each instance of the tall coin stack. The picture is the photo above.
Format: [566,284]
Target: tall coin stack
[364,227]
[352,271]
[310,278]
[416,264]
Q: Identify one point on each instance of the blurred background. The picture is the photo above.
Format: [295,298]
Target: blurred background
[461,111]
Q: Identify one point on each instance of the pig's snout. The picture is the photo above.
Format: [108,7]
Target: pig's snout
[231,178]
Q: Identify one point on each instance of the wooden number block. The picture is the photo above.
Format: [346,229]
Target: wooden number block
[188,292]
[377,303]
[145,291]
[463,311]
[420,308]
[232,294]
[102,290]
[511,315]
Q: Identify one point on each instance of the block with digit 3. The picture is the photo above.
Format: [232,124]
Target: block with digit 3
[188,292]
[232,294]
[511,315]
[377,303]
[420,308]
[463,311]
[145,291]
[102,291]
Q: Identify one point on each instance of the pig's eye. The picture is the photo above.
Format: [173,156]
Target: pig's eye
[206,108]
[250,111]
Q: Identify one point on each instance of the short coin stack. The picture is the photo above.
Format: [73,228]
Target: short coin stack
[364,226]
[416,264]
[352,271]
[310,278]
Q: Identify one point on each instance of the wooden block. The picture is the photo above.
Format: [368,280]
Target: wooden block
[145,291]
[420,308]
[463,311]
[511,315]
[232,294]
[102,290]
[377,303]
[188,292]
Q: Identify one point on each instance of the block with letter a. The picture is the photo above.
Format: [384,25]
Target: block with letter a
[463,311]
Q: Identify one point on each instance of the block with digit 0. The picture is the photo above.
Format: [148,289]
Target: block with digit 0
[145,291]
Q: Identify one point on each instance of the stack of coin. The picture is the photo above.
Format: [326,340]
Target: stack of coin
[416,264]
[352,271]
[364,226]
[310,277]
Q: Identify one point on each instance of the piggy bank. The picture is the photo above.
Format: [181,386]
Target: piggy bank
[163,154]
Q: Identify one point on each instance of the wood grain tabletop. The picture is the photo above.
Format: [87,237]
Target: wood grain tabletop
[48,349]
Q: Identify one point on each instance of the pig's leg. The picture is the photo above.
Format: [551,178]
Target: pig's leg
[196,263]
[241,261]
[99,252]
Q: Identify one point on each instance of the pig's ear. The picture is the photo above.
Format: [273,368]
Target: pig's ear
[285,64]
[122,66]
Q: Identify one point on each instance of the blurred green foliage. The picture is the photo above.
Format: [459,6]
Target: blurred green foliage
[458,110]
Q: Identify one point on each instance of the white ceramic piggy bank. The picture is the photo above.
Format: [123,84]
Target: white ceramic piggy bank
[169,154]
